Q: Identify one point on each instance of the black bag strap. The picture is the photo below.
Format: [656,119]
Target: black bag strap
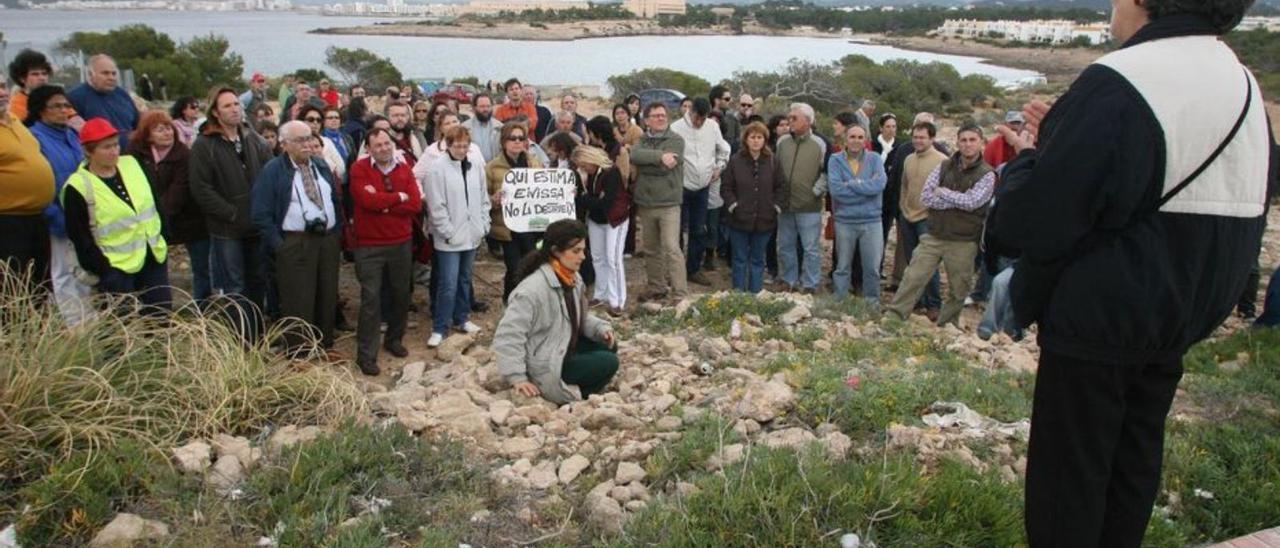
[1244,113]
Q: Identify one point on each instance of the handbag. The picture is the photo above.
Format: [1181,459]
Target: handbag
[1031,302]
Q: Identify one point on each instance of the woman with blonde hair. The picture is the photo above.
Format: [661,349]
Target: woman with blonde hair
[607,203]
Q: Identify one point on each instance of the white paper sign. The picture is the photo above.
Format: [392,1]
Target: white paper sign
[535,198]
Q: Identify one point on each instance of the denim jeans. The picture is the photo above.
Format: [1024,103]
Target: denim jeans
[453,292]
[201,284]
[864,241]
[808,228]
[748,258]
[911,233]
[713,229]
[998,317]
[693,217]
[1270,316]
[239,267]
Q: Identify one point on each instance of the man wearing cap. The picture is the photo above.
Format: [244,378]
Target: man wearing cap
[296,210]
[26,188]
[302,95]
[112,220]
[998,150]
[257,93]
[102,97]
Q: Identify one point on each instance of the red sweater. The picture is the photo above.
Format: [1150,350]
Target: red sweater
[380,217]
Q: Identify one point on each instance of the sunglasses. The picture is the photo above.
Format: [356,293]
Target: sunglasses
[515,138]
[746,105]
[311,119]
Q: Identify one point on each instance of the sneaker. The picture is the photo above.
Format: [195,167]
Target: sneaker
[968,301]
[397,349]
[435,340]
[699,278]
[470,328]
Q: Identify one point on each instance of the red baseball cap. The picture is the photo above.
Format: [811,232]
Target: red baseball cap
[96,130]
[258,77]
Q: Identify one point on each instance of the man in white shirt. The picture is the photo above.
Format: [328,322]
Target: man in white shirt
[705,155]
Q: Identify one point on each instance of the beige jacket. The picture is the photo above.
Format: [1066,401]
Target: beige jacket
[534,333]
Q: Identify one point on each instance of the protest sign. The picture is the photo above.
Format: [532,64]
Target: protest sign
[535,198]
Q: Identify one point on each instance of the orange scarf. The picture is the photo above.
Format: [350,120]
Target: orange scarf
[566,276]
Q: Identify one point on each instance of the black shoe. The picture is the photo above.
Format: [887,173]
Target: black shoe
[479,306]
[370,369]
[397,349]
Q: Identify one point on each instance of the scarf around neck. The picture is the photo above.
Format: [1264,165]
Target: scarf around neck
[565,275]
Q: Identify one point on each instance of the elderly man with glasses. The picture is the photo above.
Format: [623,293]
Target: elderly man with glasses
[802,154]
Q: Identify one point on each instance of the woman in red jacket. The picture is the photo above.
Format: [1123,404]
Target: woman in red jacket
[387,199]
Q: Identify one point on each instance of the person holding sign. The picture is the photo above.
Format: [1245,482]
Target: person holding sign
[458,211]
[515,155]
[548,344]
[608,206]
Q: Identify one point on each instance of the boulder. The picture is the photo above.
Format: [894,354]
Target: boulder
[628,472]
[412,373]
[726,456]
[714,348]
[453,347]
[746,427]
[536,413]
[413,419]
[499,410]
[668,424]
[612,419]
[765,401]
[389,403]
[571,468]
[675,345]
[289,436]
[543,476]
[192,457]
[605,514]
[837,445]
[661,404]
[238,446]
[458,413]
[797,314]
[520,447]
[226,473]
[794,438]
[127,529]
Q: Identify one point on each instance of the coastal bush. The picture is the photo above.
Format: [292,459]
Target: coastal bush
[363,66]
[684,458]
[190,68]
[777,497]
[122,376]
[642,79]
[1260,50]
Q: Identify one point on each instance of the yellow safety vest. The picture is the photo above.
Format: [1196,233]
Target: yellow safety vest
[123,233]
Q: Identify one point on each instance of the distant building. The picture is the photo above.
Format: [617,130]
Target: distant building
[1269,23]
[492,7]
[1056,31]
[649,9]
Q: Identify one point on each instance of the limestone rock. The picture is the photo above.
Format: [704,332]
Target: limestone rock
[726,456]
[390,402]
[797,314]
[226,473]
[764,401]
[605,513]
[628,472]
[746,427]
[458,413]
[543,476]
[668,424]
[571,468]
[499,410]
[612,419]
[686,489]
[794,438]
[193,457]
[621,494]
[520,447]
[238,446]
[636,505]
[675,345]
[715,348]
[837,445]
[537,414]
[413,419]
[453,347]
[662,403]
[289,436]
[412,373]
[127,529]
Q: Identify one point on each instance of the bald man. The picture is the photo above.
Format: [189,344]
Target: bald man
[102,97]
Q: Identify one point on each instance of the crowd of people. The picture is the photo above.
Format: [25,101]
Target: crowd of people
[1072,218]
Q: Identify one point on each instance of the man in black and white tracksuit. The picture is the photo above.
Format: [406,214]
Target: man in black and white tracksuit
[1121,283]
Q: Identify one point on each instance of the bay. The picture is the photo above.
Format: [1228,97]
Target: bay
[278,43]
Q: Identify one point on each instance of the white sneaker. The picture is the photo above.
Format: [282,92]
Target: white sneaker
[435,340]
[470,328]
[968,301]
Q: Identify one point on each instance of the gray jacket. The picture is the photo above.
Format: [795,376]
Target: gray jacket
[534,333]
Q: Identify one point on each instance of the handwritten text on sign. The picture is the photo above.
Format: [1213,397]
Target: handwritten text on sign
[535,198]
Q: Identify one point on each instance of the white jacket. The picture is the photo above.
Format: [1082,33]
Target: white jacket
[705,150]
[428,158]
[457,209]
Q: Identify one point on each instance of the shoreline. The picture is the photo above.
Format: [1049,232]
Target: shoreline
[1058,65]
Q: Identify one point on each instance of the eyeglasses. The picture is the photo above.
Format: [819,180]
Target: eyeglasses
[515,138]
[311,119]
[60,106]
[746,105]
[420,111]
[332,117]
[193,106]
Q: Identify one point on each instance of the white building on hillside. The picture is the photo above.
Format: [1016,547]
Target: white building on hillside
[493,7]
[649,9]
[1056,31]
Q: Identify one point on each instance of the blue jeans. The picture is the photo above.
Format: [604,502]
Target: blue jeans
[911,233]
[453,290]
[201,283]
[808,228]
[239,267]
[869,242]
[998,317]
[1270,316]
[693,217]
[748,258]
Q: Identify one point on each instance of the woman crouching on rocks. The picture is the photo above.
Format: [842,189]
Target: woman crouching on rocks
[548,343]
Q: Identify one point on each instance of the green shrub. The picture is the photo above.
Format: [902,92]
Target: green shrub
[780,498]
[716,313]
[686,457]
